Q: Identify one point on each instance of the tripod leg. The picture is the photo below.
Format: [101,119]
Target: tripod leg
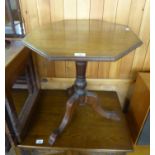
[70,107]
[97,107]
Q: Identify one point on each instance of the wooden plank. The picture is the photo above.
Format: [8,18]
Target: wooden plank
[59,10]
[114,69]
[145,25]
[70,69]
[70,12]
[40,65]
[96,9]
[32,20]
[135,19]
[32,11]
[146,65]
[122,16]
[57,13]
[92,70]
[52,9]
[138,61]
[110,8]
[108,16]
[96,12]
[136,15]
[44,12]
[144,34]
[33,14]
[103,70]
[45,18]
[50,65]
[123,10]
[83,12]
[25,16]
[60,69]
[83,9]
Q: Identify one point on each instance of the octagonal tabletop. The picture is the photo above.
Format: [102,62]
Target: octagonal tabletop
[91,40]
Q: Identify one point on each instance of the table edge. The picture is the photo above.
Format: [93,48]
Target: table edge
[85,58]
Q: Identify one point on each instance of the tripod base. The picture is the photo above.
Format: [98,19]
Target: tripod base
[78,94]
[90,99]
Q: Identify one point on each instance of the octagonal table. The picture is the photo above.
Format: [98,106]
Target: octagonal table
[82,41]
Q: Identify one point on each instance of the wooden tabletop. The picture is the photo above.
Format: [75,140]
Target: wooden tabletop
[88,131]
[92,40]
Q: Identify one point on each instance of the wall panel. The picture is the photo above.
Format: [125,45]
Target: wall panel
[144,35]
[96,12]
[122,17]
[57,14]
[70,12]
[134,13]
[135,19]
[111,17]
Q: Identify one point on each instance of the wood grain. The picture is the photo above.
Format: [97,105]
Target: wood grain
[99,40]
[43,6]
[45,18]
[70,9]
[83,8]
[57,14]
[70,14]
[96,12]
[109,16]
[122,16]
[96,9]
[112,6]
[24,13]
[144,34]
[134,23]
[70,69]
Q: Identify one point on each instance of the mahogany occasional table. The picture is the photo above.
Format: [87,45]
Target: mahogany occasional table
[82,41]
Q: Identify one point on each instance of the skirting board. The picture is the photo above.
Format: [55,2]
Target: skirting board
[121,86]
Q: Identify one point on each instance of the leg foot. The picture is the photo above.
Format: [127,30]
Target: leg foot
[97,107]
[70,107]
